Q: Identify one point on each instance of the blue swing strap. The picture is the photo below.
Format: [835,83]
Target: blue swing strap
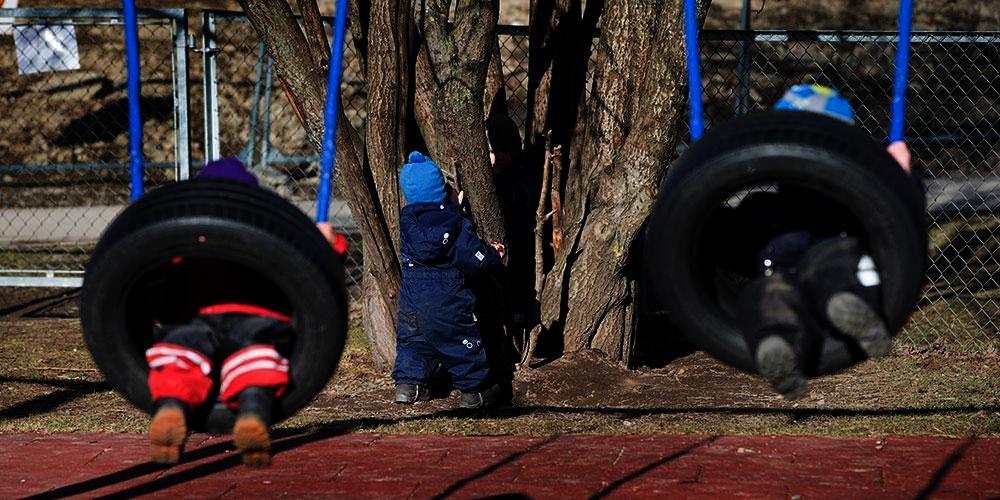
[695,115]
[898,112]
[134,117]
[328,157]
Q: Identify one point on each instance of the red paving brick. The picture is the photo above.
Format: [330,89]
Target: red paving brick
[426,466]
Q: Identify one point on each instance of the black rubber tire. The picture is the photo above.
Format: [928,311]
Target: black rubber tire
[792,148]
[223,220]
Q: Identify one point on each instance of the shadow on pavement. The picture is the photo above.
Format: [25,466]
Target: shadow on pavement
[942,471]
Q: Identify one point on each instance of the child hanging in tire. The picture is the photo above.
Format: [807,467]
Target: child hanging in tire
[811,270]
[225,320]
[437,326]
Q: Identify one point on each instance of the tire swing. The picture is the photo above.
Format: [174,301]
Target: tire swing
[796,150]
[154,251]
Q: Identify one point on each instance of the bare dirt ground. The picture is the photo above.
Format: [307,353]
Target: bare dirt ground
[48,384]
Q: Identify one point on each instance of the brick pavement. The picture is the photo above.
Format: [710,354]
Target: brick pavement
[425,466]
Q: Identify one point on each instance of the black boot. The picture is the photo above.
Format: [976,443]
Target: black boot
[487,398]
[411,393]
[775,334]
[251,432]
[842,287]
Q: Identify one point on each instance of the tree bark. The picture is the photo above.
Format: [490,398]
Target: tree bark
[451,77]
[615,145]
[275,24]
[560,44]
[631,127]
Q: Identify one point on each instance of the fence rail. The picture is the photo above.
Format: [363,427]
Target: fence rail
[63,162]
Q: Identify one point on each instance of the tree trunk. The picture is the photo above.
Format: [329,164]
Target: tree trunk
[286,45]
[632,122]
[451,78]
[444,74]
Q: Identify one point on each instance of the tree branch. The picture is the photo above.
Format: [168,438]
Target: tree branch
[312,25]
[556,197]
[540,216]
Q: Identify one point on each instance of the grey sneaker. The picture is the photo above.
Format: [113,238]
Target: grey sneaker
[486,398]
[853,317]
[407,394]
[777,362]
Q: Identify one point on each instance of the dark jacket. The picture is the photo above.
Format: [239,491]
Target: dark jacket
[436,240]
[437,322]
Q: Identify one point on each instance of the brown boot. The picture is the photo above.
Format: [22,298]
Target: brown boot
[167,431]
[250,433]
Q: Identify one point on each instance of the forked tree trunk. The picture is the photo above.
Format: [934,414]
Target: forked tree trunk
[275,24]
[631,126]
[451,77]
[616,143]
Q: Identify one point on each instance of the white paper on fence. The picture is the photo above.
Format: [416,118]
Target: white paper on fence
[6,22]
[45,48]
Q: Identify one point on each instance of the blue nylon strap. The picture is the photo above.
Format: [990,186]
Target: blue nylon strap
[134,116]
[328,157]
[898,113]
[697,123]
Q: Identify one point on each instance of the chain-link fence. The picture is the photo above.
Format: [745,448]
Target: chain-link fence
[953,128]
[64,150]
[257,124]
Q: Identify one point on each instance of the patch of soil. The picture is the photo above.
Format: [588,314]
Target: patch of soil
[587,379]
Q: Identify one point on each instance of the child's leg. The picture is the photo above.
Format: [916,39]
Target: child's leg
[252,377]
[457,343]
[774,333]
[842,286]
[179,380]
[415,358]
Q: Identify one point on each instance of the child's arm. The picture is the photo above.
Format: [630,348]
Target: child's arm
[470,254]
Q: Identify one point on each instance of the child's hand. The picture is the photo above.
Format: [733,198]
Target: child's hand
[901,153]
[337,240]
[499,248]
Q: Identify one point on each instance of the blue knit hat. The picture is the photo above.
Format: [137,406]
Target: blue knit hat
[818,99]
[228,168]
[421,180]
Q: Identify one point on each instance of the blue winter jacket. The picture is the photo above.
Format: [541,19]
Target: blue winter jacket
[437,241]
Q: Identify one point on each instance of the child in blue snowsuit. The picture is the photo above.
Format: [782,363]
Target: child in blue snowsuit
[436,325]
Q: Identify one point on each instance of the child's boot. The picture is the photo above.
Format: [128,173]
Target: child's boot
[487,398]
[178,381]
[167,431]
[774,333]
[408,394]
[250,433]
[844,285]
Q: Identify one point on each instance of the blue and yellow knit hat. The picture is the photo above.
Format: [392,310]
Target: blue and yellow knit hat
[818,99]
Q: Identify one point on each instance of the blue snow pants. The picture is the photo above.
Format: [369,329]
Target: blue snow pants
[437,327]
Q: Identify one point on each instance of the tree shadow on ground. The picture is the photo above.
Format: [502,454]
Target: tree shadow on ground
[285,440]
[39,306]
[111,120]
[68,390]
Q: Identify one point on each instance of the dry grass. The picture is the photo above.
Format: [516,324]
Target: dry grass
[49,385]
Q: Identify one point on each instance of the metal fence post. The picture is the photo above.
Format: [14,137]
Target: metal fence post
[247,153]
[742,91]
[181,98]
[211,82]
